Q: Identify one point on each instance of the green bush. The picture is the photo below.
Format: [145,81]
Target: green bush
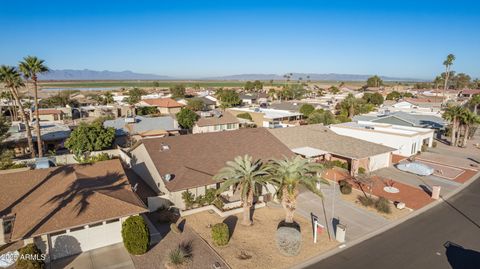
[200,200]
[220,234]
[366,201]
[361,170]
[346,189]
[210,195]
[188,199]
[218,203]
[434,144]
[30,250]
[135,234]
[383,205]
[307,109]
[245,115]
[340,164]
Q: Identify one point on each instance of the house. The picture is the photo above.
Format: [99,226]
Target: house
[407,141]
[68,209]
[208,104]
[404,119]
[248,99]
[322,144]
[54,134]
[216,121]
[469,93]
[49,114]
[413,106]
[268,117]
[294,106]
[166,106]
[139,127]
[175,164]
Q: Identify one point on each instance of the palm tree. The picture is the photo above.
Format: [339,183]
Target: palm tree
[288,174]
[12,80]
[31,66]
[467,119]
[108,97]
[452,114]
[245,176]
[475,101]
[447,63]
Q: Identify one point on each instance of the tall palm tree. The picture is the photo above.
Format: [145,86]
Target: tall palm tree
[467,119]
[31,66]
[448,64]
[13,81]
[452,114]
[245,176]
[288,174]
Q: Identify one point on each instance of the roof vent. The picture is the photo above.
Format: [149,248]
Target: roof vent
[164,147]
[168,177]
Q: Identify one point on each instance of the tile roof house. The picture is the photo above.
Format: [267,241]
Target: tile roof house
[318,141]
[67,209]
[216,121]
[172,165]
[164,105]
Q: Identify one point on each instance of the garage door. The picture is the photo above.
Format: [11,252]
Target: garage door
[379,161]
[83,239]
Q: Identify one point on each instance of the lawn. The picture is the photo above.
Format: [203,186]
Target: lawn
[254,246]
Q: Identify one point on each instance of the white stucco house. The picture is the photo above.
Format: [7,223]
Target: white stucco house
[407,141]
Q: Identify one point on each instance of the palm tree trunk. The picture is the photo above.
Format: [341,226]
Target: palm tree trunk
[37,121]
[445,85]
[247,204]
[25,121]
[465,136]
[289,203]
[453,132]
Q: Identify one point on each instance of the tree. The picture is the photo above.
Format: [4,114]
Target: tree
[156,84]
[178,91]
[135,234]
[31,66]
[195,104]
[90,137]
[258,85]
[134,96]
[294,91]
[349,105]
[321,116]
[467,120]
[244,175]
[61,99]
[13,81]
[228,98]
[306,109]
[26,262]
[461,81]
[374,81]
[108,97]
[452,113]
[474,102]
[288,174]
[249,86]
[373,98]
[147,110]
[334,90]
[393,96]
[186,118]
[448,64]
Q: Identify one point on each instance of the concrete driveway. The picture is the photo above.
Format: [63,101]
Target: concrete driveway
[357,220]
[110,257]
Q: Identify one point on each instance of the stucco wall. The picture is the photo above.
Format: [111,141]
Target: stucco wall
[143,165]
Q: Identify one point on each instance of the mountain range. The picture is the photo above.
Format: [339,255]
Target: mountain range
[86,74]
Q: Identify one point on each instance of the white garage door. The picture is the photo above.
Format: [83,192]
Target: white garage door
[379,161]
[84,239]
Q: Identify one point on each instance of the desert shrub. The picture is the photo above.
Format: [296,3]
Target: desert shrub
[218,203]
[174,228]
[383,205]
[200,200]
[366,201]
[180,255]
[220,234]
[434,144]
[135,234]
[346,189]
[245,115]
[210,195]
[188,198]
[340,164]
[30,250]
[361,170]
[424,148]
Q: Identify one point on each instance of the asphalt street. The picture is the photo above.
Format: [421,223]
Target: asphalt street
[446,236]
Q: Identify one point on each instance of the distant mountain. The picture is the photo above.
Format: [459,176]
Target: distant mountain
[312,76]
[86,74]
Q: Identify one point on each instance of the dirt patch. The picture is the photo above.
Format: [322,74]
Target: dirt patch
[254,246]
[396,213]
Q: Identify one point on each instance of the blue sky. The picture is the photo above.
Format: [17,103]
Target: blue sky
[204,38]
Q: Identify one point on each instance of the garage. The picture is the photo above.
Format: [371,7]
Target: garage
[379,161]
[82,239]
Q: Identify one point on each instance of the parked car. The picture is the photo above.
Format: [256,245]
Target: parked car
[416,168]
[44,162]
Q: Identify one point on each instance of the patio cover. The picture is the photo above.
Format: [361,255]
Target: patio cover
[309,152]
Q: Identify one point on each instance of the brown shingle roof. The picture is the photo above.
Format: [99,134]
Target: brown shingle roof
[49,111]
[322,138]
[163,102]
[194,159]
[226,118]
[48,200]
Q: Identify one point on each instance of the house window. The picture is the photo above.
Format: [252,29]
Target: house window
[7,226]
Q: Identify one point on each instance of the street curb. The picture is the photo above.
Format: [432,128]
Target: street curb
[389,226]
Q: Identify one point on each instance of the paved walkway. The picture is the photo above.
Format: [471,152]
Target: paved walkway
[358,220]
[111,257]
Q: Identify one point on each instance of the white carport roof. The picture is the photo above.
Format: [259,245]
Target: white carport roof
[309,152]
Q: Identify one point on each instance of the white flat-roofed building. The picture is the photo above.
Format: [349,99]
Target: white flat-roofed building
[407,140]
[269,118]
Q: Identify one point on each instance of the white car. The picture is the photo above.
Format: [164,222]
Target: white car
[416,168]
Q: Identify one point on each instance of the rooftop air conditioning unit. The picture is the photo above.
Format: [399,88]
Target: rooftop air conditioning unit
[168,177]
[205,114]
[164,147]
